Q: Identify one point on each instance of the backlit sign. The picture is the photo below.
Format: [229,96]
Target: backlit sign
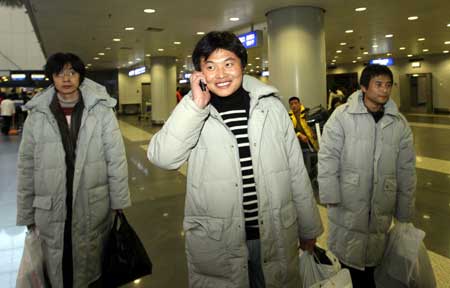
[137,71]
[251,39]
[382,61]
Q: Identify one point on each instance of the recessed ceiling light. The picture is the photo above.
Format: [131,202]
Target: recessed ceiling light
[445,51]
[148,55]
[249,64]
[354,61]
[108,48]
[130,62]
[402,48]
[185,66]
[359,57]
[129,28]
[421,39]
[177,43]
[160,49]
[410,55]
[116,39]
[389,35]
[338,51]
[412,18]
[360,9]
[349,31]
[149,11]
[251,70]
[89,64]
[234,19]
[257,58]
[342,43]
[365,53]
[138,59]
[189,56]
[200,33]
[101,53]
[388,54]
[448,25]
[333,60]
[375,46]
[335,57]
[425,50]
[257,67]
[447,42]
[96,58]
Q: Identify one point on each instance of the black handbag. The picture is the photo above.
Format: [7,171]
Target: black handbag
[125,258]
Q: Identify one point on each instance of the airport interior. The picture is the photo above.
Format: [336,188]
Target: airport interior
[141,52]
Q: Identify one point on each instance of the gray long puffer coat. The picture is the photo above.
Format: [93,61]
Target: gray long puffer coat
[214,219]
[100,181]
[368,170]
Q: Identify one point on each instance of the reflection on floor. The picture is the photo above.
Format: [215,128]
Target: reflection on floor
[158,203]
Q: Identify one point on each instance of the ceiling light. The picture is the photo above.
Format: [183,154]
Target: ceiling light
[189,56]
[89,64]
[389,35]
[101,53]
[116,39]
[96,58]
[448,25]
[359,57]
[130,62]
[410,55]
[129,28]
[160,49]
[338,51]
[421,39]
[149,11]
[445,51]
[375,46]
[335,57]
[257,67]
[257,58]
[108,48]
[354,61]
[365,53]
[138,59]
[447,42]
[349,31]
[333,60]
[342,43]
[425,50]
[388,54]
[200,33]
[249,64]
[360,9]
[402,48]
[412,18]
[177,43]
[148,55]
[234,19]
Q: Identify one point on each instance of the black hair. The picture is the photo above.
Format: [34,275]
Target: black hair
[215,40]
[294,98]
[56,62]
[373,70]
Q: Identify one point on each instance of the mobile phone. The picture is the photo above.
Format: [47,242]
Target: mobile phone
[202,85]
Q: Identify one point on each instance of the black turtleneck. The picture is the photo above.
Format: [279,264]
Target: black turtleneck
[240,99]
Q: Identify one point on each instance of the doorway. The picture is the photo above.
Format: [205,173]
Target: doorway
[420,93]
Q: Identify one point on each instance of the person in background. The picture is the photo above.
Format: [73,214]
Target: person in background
[249,200]
[7,111]
[335,93]
[179,95]
[72,172]
[304,133]
[367,174]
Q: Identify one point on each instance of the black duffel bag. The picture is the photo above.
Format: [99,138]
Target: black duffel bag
[125,257]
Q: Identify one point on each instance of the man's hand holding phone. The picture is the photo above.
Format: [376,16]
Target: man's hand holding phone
[200,94]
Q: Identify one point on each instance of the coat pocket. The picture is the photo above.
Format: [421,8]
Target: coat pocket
[205,247]
[388,198]
[351,191]
[99,205]
[288,215]
[42,214]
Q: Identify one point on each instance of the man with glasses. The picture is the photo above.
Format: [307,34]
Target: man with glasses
[366,174]
[72,172]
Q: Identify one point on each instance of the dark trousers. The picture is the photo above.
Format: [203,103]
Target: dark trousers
[361,279]
[6,124]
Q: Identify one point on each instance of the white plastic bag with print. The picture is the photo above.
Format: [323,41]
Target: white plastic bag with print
[342,279]
[316,267]
[31,269]
[405,261]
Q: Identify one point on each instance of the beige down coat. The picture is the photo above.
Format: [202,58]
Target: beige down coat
[368,170]
[100,181]
[214,218]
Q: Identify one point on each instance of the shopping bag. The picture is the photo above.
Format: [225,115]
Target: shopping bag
[317,266]
[341,279]
[31,270]
[125,257]
[405,261]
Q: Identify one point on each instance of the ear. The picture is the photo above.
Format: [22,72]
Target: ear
[363,89]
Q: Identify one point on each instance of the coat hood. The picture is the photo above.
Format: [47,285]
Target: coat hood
[356,105]
[92,93]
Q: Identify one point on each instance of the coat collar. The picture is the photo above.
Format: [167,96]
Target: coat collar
[356,105]
[92,93]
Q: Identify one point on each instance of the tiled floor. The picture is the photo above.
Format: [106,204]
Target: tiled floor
[158,203]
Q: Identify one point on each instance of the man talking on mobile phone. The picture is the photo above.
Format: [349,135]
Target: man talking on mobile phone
[249,200]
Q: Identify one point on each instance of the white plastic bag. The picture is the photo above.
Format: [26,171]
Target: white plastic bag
[405,261]
[313,270]
[342,279]
[31,269]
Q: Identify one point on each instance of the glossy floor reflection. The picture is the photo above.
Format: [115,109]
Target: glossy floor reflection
[158,203]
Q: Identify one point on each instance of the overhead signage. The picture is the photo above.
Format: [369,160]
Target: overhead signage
[18,77]
[383,61]
[38,77]
[251,39]
[265,73]
[137,71]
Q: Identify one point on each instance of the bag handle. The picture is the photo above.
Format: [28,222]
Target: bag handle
[123,220]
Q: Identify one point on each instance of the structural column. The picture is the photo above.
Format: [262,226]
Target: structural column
[163,88]
[297,57]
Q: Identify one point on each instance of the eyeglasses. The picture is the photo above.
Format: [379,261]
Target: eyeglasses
[69,73]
